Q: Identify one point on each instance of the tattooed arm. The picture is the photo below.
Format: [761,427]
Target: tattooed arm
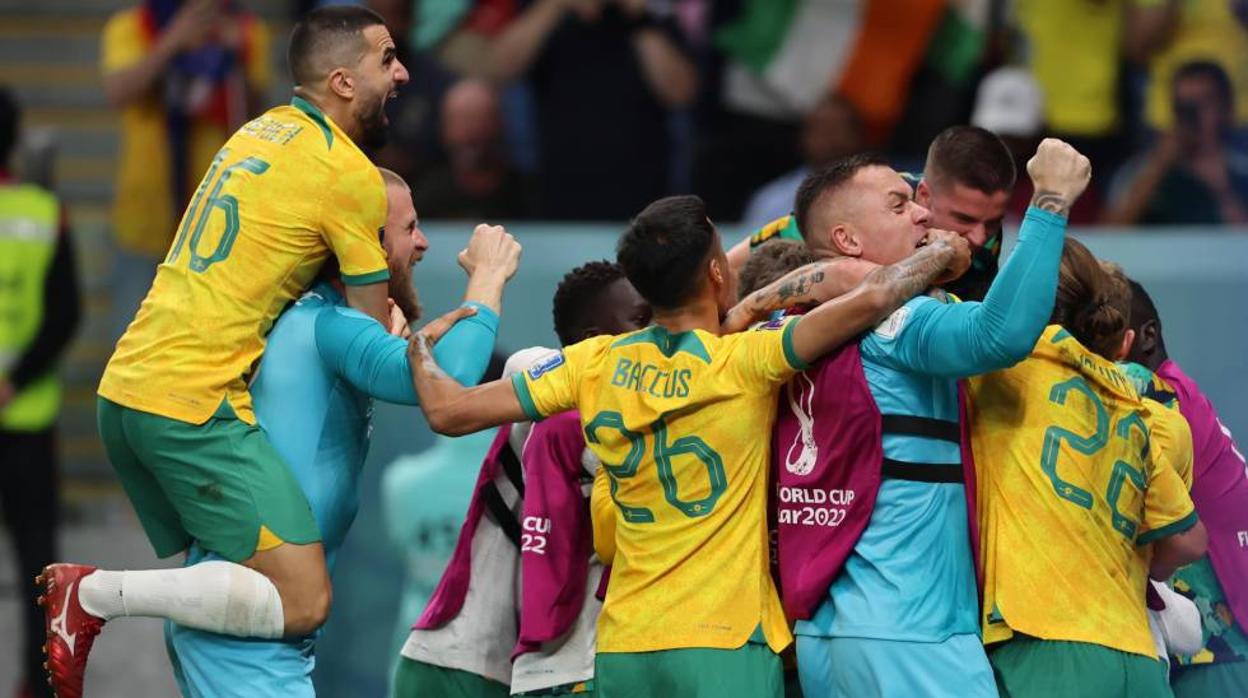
[883,291]
[822,281]
[1059,174]
[451,408]
[809,285]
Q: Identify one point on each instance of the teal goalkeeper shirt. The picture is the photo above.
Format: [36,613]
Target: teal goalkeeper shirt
[911,575]
[323,365]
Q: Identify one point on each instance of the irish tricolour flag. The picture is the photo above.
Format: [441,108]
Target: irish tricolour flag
[786,54]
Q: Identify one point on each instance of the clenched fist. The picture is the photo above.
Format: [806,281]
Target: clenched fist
[491,246]
[1060,174]
[962,254]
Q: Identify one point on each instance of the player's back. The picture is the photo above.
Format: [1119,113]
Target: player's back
[682,425]
[1068,492]
[287,188]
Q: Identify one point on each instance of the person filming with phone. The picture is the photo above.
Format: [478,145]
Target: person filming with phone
[1191,175]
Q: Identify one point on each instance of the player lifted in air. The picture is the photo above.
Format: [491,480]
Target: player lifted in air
[323,365]
[175,413]
[678,415]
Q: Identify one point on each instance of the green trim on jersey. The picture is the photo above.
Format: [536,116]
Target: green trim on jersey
[316,115]
[1169,529]
[790,353]
[366,279]
[667,343]
[525,397]
[782,228]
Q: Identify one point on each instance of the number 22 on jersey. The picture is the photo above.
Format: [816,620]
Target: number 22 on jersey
[200,216]
[1091,446]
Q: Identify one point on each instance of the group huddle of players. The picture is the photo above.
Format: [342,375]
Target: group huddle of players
[960,493]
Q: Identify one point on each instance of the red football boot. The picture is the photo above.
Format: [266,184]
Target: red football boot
[71,630]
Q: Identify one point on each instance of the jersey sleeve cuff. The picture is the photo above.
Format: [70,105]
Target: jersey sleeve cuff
[1169,529]
[484,313]
[526,399]
[1047,217]
[790,354]
[366,279]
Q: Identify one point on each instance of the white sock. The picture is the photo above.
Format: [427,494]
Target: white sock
[216,596]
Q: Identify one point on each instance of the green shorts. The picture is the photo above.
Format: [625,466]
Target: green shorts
[750,671]
[1210,680]
[219,483]
[415,679]
[1027,667]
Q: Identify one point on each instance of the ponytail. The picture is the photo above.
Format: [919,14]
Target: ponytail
[1093,300]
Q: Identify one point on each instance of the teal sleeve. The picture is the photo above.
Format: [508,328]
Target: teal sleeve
[360,351]
[966,339]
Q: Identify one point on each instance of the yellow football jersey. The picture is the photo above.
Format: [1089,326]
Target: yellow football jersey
[1076,474]
[682,424]
[284,192]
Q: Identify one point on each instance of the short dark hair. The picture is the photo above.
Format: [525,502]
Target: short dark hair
[576,296]
[1142,308]
[1211,71]
[10,117]
[826,180]
[325,30]
[664,247]
[770,261]
[973,157]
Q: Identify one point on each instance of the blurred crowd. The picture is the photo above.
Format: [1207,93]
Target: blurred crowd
[589,109]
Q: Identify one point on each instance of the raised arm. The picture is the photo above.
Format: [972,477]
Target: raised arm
[189,28]
[515,50]
[451,408]
[837,321]
[376,363]
[668,72]
[963,339]
[491,259]
[812,284]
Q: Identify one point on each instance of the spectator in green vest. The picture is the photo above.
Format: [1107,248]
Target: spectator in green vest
[39,309]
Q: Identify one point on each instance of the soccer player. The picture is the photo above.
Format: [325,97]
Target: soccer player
[1075,481]
[673,412]
[175,414]
[900,616]
[966,187]
[1218,582]
[323,366]
[468,652]
[560,575]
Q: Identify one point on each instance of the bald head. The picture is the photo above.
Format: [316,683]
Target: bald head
[860,207]
[392,178]
[818,203]
[470,114]
[327,39]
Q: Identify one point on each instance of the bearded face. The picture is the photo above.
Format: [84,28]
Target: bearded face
[373,121]
[402,290]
